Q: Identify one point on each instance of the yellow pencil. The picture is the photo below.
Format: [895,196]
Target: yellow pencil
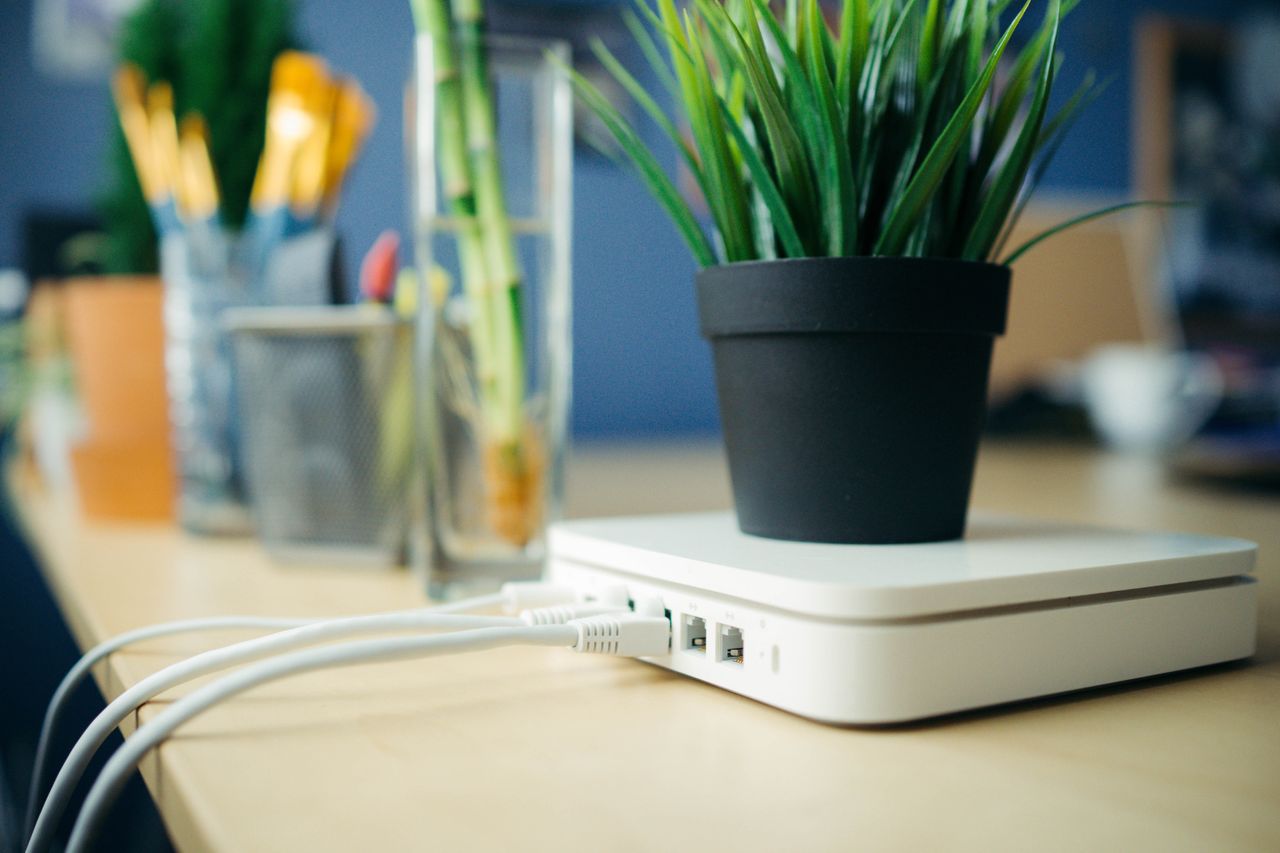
[353,118]
[129,88]
[293,77]
[164,139]
[198,186]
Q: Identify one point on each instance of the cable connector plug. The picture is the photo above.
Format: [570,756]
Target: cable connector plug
[559,614]
[518,596]
[623,634]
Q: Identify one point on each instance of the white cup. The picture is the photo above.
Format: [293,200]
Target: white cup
[1149,399]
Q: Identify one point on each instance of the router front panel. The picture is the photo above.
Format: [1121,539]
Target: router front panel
[872,671]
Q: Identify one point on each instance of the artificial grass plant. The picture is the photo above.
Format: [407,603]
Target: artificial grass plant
[882,135]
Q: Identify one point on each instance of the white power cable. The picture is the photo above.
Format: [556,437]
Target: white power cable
[514,596]
[126,703]
[78,673]
[616,634]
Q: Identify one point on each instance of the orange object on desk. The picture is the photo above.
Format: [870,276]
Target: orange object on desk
[115,330]
[123,480]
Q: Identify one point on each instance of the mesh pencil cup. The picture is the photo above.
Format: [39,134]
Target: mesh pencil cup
[326,410]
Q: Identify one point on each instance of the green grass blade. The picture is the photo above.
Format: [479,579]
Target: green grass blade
[1081,99]
[929,42]
[1080,220]
[873,93]
[868,85]
[721,49]
[1001,118]
[683,61]
[977,27]
[957,21]
[794,179]
[1003,193]
[764,183]
[933,169]
[648,167]
[652,55]
[647,103]
[828,46]
[1020,77]
[718,160]
[793,71]
[1051,138]
[798,92]
[839,200]
[855,24]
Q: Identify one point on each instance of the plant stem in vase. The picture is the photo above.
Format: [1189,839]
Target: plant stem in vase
[492,278]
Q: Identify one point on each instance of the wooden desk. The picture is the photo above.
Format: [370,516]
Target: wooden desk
[539,749]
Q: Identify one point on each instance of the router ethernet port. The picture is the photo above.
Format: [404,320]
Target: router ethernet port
[695,634]
[731,645]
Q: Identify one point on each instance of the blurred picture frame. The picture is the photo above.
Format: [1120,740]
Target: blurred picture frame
[75,39]
[1207,130]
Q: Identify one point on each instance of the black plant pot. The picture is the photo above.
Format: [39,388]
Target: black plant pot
[852,391]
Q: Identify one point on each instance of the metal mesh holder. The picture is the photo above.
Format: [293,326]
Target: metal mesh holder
[326,407]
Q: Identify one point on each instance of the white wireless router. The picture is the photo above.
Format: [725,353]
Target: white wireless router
[865,634]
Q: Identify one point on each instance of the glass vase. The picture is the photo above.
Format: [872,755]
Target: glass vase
[492,229]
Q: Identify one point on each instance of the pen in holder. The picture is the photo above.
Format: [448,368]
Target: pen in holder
[205,272]
[326,406]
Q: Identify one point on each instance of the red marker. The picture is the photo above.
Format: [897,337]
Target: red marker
[378,269]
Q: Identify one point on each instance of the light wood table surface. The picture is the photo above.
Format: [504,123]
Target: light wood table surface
[546,750]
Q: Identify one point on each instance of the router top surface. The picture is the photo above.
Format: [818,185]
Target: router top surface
[1002,561]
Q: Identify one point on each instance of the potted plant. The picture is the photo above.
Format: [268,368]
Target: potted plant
[862,180]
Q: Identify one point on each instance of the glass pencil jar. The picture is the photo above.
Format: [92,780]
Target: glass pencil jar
[206,272]
[491,159]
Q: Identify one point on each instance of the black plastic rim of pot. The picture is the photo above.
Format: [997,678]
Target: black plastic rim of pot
[852,391]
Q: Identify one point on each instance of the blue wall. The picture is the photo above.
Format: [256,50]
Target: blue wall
[640,368]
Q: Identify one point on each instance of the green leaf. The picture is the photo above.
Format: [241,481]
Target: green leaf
[1080,100]
[730,203]
[855,25]
[1002,194]
[1010,100]
[794,178]
[783,224]
[808,142]
[873,96]
[1051,137]
[839,202]
[649,48]
[648,167]
[1080,220]
[641,97]
[929,41]
[798,92]
[919,192]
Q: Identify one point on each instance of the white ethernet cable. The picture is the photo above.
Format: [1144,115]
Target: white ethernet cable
[514,595]
[218,659]
[622,634]
[78,673]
